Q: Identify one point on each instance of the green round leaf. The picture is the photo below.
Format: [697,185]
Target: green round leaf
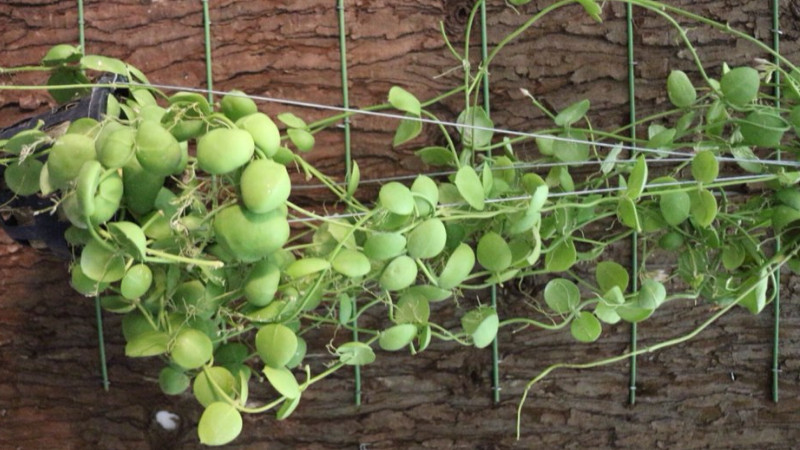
[585,327]
[704,208]
[100,264]
[104,64]
[396,198]
[130,238]
[276,344]
[157,151]
[404,101]
[399,274]
[572,113]
[675,207]
[407,130]
[763,128]
[351,263]
[265,133]
[426,194]
[606,313]
[116,304]
[265,185]
[306,266]
[470,187]
[283,381]
[733,256]
[220,424]
[383,246]
[458,267]
[61,54]
[651,294]
[705,166]
[302,139]
[231,354]
[236,104]
[299,354]
[476,133]
[355,354]
[637,179]
[287,408]
[412,308]
[83,284]
[26,141]
[427,239]
[173,381]
[249,236]
[136,282]
[609,274]
[432,293]
[633,313]
[493,252]
[572,147]
[397,337]
[672,240]
[147,343]
[115,145]
[436,156]
[562,295]
[66,157]
[626,213]
[680,90]
[205,392]
[262,283]
[23,177]
[191,349]
[740,85]
[561,257]
[481,324]
[291,120]
[223,150]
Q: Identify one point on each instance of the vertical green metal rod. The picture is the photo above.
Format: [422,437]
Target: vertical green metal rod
[634,238]
[348,163]
[98,310]
[776,40]
[81,24]
[487,107]
[207,40]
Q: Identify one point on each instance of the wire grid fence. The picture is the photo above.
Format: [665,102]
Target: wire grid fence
[340,9]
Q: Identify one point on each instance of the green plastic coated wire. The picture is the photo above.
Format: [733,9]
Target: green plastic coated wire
[207,40]
[81,22]
[101,344]
[486,106]
[776,41]
[348,161]
[634,237]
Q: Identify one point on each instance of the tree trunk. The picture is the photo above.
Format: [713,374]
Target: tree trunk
[712,392]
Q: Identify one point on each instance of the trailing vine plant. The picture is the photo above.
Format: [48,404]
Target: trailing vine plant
[181,220]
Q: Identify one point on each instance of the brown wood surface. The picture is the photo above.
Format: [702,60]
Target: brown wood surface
[710,393]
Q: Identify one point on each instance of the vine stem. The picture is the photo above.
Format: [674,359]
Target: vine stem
[778,262]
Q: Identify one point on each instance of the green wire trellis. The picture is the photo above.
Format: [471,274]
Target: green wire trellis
[348,159]
[635,237]
[207,45]
[776,39]
[487,107]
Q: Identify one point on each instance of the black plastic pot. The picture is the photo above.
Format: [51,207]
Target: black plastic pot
[46,231]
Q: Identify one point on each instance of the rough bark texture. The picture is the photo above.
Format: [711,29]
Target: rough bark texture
[710,393]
